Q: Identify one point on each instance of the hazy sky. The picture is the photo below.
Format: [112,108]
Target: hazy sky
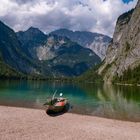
[91,15]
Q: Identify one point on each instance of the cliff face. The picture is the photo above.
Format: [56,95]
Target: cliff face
[124,51]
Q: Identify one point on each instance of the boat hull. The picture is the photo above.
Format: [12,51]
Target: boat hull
[58,106]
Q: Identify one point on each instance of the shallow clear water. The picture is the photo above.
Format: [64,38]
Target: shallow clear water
[119,102]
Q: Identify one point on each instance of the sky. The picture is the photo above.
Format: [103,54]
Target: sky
[127,1]
[85,15]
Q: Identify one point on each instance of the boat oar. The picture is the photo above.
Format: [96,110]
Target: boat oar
[54,94]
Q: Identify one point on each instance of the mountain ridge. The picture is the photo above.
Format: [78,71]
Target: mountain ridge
[33,53]
[94,41]
[60,51]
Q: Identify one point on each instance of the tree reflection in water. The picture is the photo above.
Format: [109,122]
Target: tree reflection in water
[115,105]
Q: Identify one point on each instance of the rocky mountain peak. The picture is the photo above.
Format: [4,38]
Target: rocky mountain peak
[33,30]
[98,43]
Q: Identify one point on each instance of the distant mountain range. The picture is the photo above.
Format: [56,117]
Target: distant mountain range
[34,53]
[61,55]
[98,43]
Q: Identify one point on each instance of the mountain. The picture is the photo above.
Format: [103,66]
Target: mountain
[31,38]
[94,41]
[12,54]
[34,54]
[32,35]
[58,54]
[66,57]
[8,72]
[122,61]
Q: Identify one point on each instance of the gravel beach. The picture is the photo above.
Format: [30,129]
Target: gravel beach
[32,124]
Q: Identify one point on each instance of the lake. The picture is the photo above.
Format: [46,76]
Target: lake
[118,102]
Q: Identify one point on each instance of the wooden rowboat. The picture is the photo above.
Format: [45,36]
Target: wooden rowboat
[56,105]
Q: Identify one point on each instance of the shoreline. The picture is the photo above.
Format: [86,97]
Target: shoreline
[33,124]
[75,113]
[65,80]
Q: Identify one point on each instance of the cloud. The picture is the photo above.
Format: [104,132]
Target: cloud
[91,15]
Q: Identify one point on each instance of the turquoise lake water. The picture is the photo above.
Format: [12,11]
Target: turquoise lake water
[118,102]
